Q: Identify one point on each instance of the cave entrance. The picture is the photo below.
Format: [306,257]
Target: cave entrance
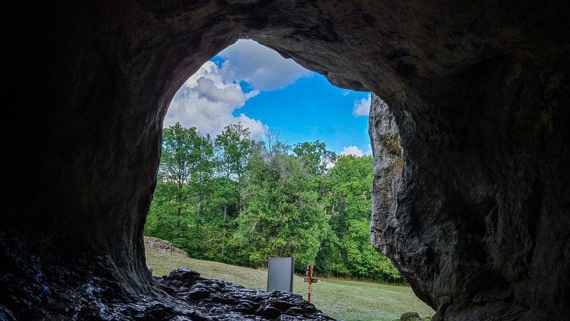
[215,157]
[247,172]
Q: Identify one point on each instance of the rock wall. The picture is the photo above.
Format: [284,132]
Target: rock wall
[388,173]
[472,224]
[479,91]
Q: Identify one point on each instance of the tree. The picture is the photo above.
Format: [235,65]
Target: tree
[315,156]
[233,149]
[350,252]
[282,215]
[184,172]
[317,160]
[162,220]
[175,163]
[234,145]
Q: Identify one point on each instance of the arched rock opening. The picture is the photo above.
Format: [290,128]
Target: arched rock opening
[479,91]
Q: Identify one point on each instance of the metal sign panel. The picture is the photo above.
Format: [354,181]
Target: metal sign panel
[280,274]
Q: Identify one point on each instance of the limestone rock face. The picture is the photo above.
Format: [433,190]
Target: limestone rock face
[472,223]
[388,171]
[478,221]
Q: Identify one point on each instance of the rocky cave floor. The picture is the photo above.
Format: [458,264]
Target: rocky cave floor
[218,300]
[191,297]
[28,291]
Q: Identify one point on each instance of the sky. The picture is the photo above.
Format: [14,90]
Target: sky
[255,86]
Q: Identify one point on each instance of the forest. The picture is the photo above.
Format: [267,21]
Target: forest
[237,200]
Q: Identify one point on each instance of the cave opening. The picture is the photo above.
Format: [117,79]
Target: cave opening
[211,209]
[213,108]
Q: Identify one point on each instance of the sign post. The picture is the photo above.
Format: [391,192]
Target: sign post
[280,274]
[310,280]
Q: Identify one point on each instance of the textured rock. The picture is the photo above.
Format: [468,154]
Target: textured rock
[479,91]
[388,170]
[190,297]
[473,222]
[226,301]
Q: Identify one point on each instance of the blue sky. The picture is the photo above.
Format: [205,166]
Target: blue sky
[254,85]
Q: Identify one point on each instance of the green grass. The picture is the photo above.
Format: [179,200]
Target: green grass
[339,299]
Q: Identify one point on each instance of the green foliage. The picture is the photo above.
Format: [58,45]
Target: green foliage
[239,201]
[315,156]
[391,143]
[234,145]
[280,211]
[351,254]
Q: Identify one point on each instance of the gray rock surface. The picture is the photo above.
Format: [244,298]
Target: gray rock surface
[479,91]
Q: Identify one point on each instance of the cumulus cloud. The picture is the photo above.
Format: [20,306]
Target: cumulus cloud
[207,101]
[261,67]
[361,107]
[352,150]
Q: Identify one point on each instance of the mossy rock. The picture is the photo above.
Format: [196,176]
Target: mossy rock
[410,316]
[391,143]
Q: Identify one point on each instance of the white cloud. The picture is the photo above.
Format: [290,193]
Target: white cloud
[352,150]
[361,107]
[261,67]
[207,101]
